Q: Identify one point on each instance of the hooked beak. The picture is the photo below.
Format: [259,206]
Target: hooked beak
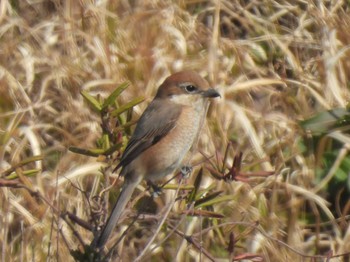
[210,93]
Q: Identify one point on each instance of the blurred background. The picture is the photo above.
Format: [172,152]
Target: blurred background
[282,69]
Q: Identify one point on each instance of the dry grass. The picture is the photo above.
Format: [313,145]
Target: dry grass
[274,62]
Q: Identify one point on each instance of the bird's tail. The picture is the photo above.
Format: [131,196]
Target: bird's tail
[123,198]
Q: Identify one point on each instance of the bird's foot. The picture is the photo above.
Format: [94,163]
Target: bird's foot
[186,171]
[157,190]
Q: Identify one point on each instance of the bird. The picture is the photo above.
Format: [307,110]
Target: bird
[163,136]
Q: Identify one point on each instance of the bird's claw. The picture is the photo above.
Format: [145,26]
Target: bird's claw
[186,171]
[156,190]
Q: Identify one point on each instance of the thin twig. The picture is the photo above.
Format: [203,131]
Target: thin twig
[170,206]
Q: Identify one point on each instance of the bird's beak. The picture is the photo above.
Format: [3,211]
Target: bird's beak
[210,93]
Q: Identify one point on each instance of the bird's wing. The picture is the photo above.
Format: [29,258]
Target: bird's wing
[154,124]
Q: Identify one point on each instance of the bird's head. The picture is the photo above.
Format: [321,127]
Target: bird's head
[186,88]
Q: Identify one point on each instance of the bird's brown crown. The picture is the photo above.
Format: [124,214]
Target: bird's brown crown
[184,82]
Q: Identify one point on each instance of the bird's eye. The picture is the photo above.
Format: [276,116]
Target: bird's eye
[190,88]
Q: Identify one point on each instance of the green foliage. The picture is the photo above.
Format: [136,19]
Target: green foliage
[328,121]
[108,109]
[330,135]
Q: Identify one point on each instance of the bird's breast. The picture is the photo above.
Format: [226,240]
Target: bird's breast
[165,156]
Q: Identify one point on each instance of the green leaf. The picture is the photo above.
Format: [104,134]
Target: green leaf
[87,152]
[105,142]
[110,100]
[28,173]
[92,101]
[200,202]
[175,187]
[22,163]
[341,175]
[215,200]
[326,121]
[113,148]
[197,183]
[127,106]
[96,151]
[346,163]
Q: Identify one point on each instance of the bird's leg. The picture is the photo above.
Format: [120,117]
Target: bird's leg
[186,171]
